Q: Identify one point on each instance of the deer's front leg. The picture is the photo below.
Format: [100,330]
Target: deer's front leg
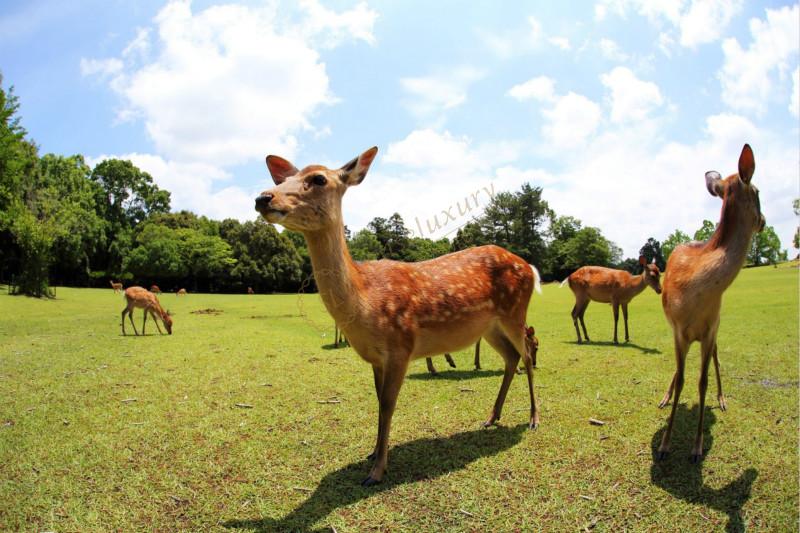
[393,374]
[449,360]
[616,320]
[429,363]
[478,355]
[723,405]
[625,319]
[377,375]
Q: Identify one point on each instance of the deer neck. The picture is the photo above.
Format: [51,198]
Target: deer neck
[731,239]
[637,285]
[335,273]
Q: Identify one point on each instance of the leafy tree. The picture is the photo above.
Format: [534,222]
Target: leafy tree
[392,235]
[365,246]
[422,249]
[765,248]
[652,250]
[705,232]
[516,222]
[670,243]
[469,235]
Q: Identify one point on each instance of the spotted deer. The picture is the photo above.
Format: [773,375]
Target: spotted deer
[698,274]
[146,300]
[116,286]
[608,285]
[393,312]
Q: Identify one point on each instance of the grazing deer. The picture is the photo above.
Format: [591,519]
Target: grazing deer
[250,290]
[697,275]
[116,286]
[146,300]
[608,285]
[154,289]
[393,312]
[181,292]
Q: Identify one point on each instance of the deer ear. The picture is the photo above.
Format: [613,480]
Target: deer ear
[714,183]
[280,169]
[642,260]
[354,172]
[747,164]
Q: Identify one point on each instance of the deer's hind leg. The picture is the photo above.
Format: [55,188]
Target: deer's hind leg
[510,348]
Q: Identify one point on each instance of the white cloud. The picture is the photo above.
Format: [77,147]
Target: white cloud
[431,95]
[695,22]
[631,98]
[540,88]
[560,42]
[103,67]
[748,76]
[573,119]
[794,102]
[227,81]
[426,148]
[611,50]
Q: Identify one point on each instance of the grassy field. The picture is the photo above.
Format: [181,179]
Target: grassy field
[221,426]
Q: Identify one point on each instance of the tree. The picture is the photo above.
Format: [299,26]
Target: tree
[670,243]
[765,248]
[652,250]
[422,249]
[705,232]
[365,246]
[469,235]
[516,222]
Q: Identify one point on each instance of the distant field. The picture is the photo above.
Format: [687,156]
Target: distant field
[104,432]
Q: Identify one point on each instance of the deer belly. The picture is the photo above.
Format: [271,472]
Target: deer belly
[449,336]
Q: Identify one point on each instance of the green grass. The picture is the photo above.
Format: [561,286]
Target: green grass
[74,456]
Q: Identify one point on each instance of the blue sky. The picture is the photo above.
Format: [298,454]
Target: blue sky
[616,108]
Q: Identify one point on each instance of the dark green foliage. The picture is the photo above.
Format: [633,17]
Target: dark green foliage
[705,232]
[765,248]
[652,250]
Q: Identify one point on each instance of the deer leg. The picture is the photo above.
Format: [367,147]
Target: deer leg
[534,422]
[511,357]
[377,375]
[681,347]
[429,362]
[575,321]
[478,355]
[130,317]
[723,405]
[393,374]
[707,351]
[144,320]
[449,360]
[123,320]
[615,305]
[625,319]
[155,319]
[583,324]
[667,395]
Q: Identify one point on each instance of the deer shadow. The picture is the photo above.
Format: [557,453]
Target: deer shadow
[684,480]
[455,375]
[413,461]
[333,346]
[611,344]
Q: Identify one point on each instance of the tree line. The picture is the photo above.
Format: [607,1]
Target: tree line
[64,223]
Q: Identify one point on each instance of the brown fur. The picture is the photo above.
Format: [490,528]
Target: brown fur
[116,286]
[155,289]
[607,285]
[697,276]
[146,300]
[181,292]
[394,312]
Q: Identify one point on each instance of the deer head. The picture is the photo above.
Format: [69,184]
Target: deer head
[531,343]
[651,274]
[736,191]
[310,199]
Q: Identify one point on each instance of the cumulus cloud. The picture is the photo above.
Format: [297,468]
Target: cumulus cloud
[430,96]
[748,76]
[631,98]
[522,40]
[540,88]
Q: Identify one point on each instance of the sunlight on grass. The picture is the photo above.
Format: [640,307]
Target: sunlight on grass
[220,426]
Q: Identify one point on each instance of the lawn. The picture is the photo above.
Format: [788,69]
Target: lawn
[247,419]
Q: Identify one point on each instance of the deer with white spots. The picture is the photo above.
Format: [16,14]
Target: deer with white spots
[393,312]
[698,274]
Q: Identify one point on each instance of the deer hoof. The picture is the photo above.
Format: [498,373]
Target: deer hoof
[534,425]
[723,405]
[370,481]
[663,403]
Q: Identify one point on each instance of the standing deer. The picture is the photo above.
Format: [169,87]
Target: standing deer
[181,292]
[697,275]
[116,286]
[250,290]
[146,300]
[393,312]
[608,285]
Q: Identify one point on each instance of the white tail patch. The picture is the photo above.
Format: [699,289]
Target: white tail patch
[564,282]
[537,279]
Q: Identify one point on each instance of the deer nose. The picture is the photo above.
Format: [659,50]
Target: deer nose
[263,201]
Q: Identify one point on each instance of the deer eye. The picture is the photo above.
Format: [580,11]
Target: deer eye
[319,180]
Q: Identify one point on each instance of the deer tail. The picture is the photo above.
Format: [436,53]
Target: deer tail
[537,279]
[566,280]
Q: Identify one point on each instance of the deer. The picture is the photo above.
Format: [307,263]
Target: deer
[393,312]
[608,285]
[116,286]
[181,292]
[155,289]
[531,345]
[697,275]
[146,300]
[250,290]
